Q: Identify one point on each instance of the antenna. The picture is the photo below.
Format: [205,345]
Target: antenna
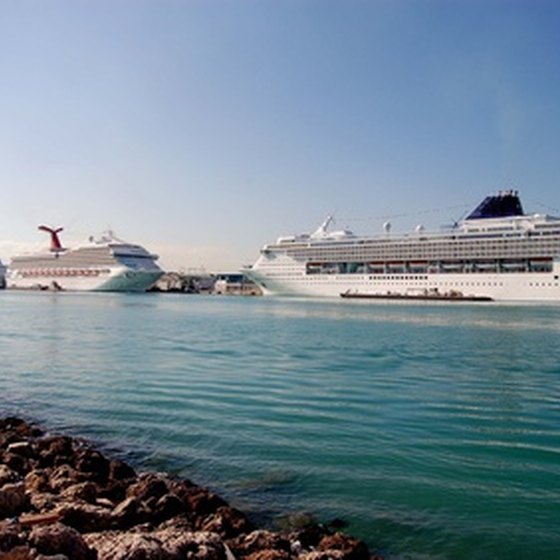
[322,229]
[56,246]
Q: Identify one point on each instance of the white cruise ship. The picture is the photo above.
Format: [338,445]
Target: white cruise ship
[104,264]
[498,252]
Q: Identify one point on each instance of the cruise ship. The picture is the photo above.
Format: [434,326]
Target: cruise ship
[103,264]
[497,253]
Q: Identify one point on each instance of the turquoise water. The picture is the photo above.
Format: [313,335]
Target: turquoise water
[432,429]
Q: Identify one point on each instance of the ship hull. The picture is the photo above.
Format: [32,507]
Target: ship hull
[497,286]
[119,279]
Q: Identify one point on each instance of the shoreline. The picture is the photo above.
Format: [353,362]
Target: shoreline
[61,498]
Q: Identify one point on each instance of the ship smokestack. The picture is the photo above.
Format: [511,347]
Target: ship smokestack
[56,246]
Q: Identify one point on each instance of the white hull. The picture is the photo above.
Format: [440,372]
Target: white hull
[117,279]
[498,286]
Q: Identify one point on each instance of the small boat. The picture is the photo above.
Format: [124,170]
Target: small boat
[425,296]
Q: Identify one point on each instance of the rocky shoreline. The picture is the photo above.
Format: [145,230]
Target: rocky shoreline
[62,499]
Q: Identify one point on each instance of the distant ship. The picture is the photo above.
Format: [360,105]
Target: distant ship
[2,275]
[498,252]
[104,264]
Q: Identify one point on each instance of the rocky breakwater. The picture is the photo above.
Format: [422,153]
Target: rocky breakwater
[60,499]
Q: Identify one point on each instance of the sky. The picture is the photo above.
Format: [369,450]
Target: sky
[202,129]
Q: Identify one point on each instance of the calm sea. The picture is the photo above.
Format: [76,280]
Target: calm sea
[432,429]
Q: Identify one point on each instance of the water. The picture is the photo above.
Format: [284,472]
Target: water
[432,429]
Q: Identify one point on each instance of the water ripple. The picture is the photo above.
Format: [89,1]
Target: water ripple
[432,429]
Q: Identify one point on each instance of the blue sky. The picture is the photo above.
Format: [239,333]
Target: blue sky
[204,128]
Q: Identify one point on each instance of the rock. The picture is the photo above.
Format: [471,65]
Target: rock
[168,506]
[350,548]
[169,544]
[16,463]
[118,470]
[308,537]
[73,503]
[337,523]
[227,522]
[10,537]
[115,491]
[43,501]
[55,450]
[37,480]
[181,487]
[104,502]
[63,477]
[23,448]
[94,465]
[178,523]
[58,539]
[196,546]
[12,499]
[128,513]
[260,540]
[201,502]
[268,555]
[322,555]
[21,553]
[7,475]
[127,546]
[17,429]
[149,486]
[85,518]
[85,491]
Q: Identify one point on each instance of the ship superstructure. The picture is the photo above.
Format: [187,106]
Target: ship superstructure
[103,264]
[498,251]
